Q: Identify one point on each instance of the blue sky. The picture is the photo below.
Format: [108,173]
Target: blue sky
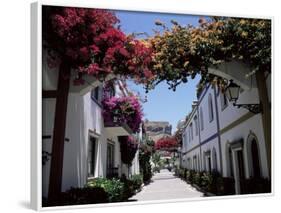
[163,104]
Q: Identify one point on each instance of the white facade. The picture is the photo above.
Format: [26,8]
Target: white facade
[230,140]
[85,136]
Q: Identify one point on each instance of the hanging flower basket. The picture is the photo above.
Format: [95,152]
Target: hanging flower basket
[123,110]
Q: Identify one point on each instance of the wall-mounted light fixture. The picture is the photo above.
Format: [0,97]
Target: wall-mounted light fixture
[232,93]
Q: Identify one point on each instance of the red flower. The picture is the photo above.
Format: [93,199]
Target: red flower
[166,143]
[93,69]
[84,53]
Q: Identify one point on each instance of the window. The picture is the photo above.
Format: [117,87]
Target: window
[191,131]
[207,161]
[198,162]
[110,159]
[255,159]
[211,111]
[96,94]
[195,163]
[231,173]
[186,137]
[188,163]
[92,157]
[201,118]
[215,166]
[196,125]
[223,101]
[183,141]
[109,91]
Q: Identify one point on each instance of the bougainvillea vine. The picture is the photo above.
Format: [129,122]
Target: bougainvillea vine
[128,148]
[123,110]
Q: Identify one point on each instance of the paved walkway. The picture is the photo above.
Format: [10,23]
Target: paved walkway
[165,186]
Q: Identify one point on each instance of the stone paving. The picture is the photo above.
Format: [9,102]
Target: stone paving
[165,186]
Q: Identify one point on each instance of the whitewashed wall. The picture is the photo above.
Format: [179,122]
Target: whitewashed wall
[83,116]
[210,128]
[250,126]
[242,131]
[48,110]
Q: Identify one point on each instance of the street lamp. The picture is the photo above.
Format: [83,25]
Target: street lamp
[232,92]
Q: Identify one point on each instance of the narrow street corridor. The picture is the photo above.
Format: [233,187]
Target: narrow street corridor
[165,186]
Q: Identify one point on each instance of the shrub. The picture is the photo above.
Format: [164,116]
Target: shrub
[78,196]
[206,181]
[198,178]
[156,169]
[113,187]
[191,176]
[213,182]
[131,185]
[145,167]
[137,181]
[128,187]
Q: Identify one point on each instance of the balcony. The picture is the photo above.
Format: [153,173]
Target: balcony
[122,116]
[117,129]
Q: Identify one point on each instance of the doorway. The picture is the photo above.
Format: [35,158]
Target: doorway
[92,155]
[255,159]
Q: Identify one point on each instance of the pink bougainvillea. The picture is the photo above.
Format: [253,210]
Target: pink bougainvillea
[123,110]
[89,41]
[166,143]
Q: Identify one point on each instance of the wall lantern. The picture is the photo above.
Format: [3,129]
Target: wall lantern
[232,92]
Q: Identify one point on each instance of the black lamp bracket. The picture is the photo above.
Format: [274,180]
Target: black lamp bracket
[254,108]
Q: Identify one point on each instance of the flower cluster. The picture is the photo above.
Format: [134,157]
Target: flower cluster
[89,41]
[128,148]
[166,143]
[123,110]
[185,51]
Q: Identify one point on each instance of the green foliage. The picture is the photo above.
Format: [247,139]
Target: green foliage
[144,161]
[131,185]
[137,181]
[198,178]
[113,187]
[156,169]
[156,160]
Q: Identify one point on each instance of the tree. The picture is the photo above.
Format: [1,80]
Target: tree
[167,143]
[185,51]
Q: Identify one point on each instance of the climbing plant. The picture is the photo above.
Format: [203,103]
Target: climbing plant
[168,143]
[91,43]
[128,149]
[185,51]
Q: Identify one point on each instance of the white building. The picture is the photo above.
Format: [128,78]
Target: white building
[219,136]
[91,149]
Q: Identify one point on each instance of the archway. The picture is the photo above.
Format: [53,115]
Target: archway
[253,157]
[229,160]
[214,159]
